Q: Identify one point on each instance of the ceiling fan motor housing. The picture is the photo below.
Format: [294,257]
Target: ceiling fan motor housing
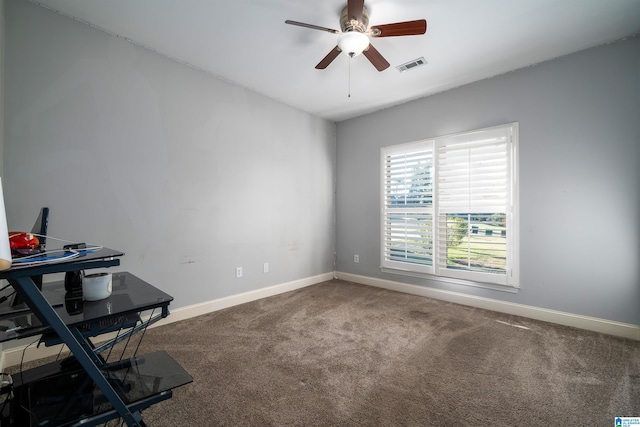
[348,23]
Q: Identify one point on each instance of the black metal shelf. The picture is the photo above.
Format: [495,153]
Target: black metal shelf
[130,296]
[61,393]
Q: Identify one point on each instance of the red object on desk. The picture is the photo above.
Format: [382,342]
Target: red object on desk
[22,240]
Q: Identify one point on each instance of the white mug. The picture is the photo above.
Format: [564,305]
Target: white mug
[96,286]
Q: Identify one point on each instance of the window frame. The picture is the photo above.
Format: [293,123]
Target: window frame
[509,280]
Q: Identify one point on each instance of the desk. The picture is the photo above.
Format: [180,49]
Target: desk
[101,391]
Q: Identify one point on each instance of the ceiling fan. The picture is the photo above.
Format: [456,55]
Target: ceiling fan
[354,37]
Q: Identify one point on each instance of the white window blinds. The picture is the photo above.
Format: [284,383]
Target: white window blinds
[451,200]
[408,207]
[473,175]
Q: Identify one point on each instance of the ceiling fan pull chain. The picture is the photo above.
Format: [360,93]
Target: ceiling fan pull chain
[349,77]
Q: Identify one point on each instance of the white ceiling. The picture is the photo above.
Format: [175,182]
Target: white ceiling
[248,43]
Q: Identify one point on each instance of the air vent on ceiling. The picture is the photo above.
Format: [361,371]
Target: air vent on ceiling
[412,64]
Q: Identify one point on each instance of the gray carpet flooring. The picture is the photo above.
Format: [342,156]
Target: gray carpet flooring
[343,354]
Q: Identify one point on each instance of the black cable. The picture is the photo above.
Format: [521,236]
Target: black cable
[22,406]
[6,297]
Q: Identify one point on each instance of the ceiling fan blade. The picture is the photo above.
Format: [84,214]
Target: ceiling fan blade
[408,28]
[354,9]
[313,27]
[375,58]
[328,59]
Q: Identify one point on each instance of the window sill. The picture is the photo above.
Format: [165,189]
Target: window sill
[451,281]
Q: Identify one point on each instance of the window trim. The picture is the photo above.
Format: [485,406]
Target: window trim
[510,280]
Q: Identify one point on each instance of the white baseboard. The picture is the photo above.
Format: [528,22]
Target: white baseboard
[26,353]
[194,310]
[562,318]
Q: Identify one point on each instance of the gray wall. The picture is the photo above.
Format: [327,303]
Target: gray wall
[1,81]
[189,175]
[579,122]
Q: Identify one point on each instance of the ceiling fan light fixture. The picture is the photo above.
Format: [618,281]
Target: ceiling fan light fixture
[353,43]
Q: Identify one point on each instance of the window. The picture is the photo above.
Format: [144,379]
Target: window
[449,207]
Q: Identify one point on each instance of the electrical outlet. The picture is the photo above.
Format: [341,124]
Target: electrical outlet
[239,272]
[356,258]
[265,267]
